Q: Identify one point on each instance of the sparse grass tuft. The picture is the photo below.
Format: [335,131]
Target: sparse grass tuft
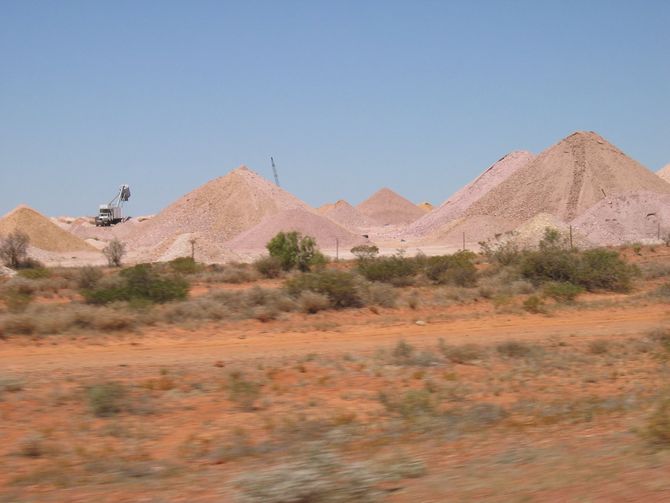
[106,399]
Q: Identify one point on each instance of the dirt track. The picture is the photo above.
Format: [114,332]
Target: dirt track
[211,344]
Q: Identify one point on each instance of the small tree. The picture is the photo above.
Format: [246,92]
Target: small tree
[293,250]
[114,252]
[14,249]
[364,252]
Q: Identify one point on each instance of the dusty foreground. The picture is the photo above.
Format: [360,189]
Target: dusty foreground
[474,405]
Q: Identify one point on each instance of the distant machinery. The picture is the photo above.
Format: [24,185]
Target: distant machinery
[112,213]
[274,171]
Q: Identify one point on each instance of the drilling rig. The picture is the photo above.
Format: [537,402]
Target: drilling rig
[112,213]
[274,171]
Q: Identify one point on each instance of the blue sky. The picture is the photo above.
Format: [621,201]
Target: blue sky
[348,96]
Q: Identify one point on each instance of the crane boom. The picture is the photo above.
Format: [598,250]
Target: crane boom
[274,171]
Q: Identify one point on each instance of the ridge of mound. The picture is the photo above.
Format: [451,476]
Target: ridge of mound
[664,172]
[456,206]
[347,216]
[567,179]
[43,233]
[325,231]
[626,218]
[385,207]
[218,210]
[425,206]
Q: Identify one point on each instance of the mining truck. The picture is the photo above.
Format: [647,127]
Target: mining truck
[112,212]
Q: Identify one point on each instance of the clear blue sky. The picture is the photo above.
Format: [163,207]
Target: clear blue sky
[348,96]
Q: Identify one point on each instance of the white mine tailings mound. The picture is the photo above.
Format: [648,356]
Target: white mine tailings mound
[43,233]
[566,180]
[385,207]
[326,232]
[664,173]
[529,234]
[626,218]
[456,206]
[219,210]
[346,215]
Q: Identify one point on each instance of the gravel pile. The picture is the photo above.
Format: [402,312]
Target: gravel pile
[218,211]
[529,234]
[456,206]
[664,173]
[326,232]
[180,246]
[566,180]
[385,207]
[347,216]
[43,233]
[626,218]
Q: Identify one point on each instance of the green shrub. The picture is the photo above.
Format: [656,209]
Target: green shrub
[37,273]
[365,252]
[184,265]
[457,269]
[397,270]
[106,399]
[295,251]
[562,292]
[604,269]
[502,252]
[268,267]
[597,269]
[339,286]
[140,282]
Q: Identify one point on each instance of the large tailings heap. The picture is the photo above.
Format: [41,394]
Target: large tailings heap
[327,233]
[43,233]
[456,206]
[346,215]
[664,173]
[385,207]
[219,210]
[566,180]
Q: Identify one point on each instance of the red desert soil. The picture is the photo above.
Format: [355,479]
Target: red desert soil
[250,340]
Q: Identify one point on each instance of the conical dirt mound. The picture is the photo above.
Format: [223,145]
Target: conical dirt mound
[567,179]
[219,210]
[326,232]
[456,206]
[347,216]
[425,206]
[664,173]
[43,233]
[385,207]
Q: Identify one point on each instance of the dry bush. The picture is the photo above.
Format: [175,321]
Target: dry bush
[233,273]
[106,399]
[378,294]
[516,349]
[313,302]
[321,476]
[114,252]
[88,277]
[465,353]
[656,431]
